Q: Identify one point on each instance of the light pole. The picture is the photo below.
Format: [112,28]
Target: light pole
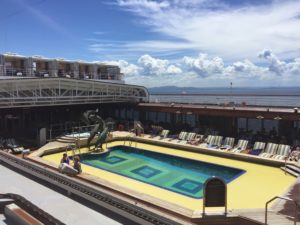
[231,92]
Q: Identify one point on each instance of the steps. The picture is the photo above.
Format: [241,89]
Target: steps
[291,169]
[66,139]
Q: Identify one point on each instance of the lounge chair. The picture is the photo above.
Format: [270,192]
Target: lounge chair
[282,152]
[213,141]
[182,136]
[228,143]
[208,141]
[241,146]
[189,137]
[217,141]
[155,131]
[269,151]
[164,134]
[13,146]
[196,140]
[257,148]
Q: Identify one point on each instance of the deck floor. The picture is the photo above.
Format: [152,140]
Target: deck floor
[62,207]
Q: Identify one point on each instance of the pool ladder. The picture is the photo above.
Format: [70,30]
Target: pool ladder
[74,147]
[130,142]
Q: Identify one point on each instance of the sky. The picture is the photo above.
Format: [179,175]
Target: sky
[199,43]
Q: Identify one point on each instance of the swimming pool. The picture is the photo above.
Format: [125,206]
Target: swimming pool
[176,174]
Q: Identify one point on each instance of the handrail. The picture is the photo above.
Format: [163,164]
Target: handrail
[283,198]
[285,162]
[96,195]
[32,209]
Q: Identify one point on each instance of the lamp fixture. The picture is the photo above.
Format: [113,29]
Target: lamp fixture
[260,117]
[277,118]
[296,110]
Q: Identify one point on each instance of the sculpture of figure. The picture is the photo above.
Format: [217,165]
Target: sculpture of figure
[91,117]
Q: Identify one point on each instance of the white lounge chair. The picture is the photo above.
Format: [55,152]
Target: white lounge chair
[196,140]
[189,137]
[282,152]
[217,141]
[269,151]
[228,143]
[208,141]
[259,145]
[182,136]
[241,145]
[164,134]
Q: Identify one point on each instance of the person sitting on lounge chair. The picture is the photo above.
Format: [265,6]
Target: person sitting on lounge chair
[196,140]
[295,154]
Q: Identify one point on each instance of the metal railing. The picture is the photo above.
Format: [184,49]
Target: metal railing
[61,91]
[32,209]
[296,211]
[86,191]
[226,100]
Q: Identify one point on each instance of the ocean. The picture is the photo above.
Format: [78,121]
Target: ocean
[281,97]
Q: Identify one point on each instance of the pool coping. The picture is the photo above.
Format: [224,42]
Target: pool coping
[129,195]
[169,189]
[146,200]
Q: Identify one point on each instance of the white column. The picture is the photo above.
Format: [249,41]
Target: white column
[53,67]
[29,67]
[2,65]
[75,69]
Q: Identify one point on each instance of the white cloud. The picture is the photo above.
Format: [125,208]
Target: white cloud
[210,71]
[153,66]
[232,33]
[204,66]
[130,70]
[276,65]
[140,5]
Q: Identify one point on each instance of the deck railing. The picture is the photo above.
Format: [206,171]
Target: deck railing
[28,92]
[296,208]
[229,100]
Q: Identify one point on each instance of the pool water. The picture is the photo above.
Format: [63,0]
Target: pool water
[181,175]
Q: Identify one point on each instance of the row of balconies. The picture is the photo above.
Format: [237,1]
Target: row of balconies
[33,72]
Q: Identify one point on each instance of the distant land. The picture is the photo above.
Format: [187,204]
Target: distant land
[225,90]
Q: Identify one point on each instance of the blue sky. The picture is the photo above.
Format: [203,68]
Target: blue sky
[166,42]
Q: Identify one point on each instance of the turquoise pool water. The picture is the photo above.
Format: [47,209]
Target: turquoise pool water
[181,175]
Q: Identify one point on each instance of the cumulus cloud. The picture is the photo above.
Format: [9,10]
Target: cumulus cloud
[127,68]
[276,65]
[154,66]
[204,70]
[203,66]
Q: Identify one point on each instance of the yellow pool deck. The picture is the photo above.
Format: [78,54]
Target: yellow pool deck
[249,191]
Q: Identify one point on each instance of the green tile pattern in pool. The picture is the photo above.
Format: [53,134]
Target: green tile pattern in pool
[146,171]
[187,185]
[181,175]
[113,159]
